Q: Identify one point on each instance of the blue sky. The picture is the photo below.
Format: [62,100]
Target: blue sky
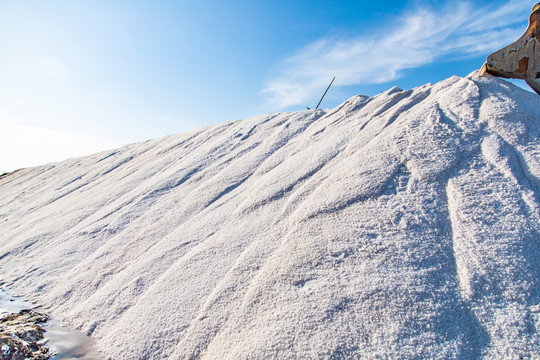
[79,77]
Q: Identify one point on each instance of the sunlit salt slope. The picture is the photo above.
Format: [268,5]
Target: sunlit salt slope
[402,226]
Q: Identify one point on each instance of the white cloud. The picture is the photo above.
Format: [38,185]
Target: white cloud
[419,37]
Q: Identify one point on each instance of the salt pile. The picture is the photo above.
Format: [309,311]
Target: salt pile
[406,225]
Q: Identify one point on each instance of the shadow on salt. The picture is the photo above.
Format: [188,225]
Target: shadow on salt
[63,342]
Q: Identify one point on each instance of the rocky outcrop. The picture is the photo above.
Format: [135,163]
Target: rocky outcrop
[21,336]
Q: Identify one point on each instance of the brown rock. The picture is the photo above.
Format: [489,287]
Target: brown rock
[19,336]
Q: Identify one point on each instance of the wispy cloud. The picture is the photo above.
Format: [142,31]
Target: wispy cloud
[415,38]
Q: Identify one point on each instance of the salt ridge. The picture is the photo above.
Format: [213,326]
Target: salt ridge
[405,225]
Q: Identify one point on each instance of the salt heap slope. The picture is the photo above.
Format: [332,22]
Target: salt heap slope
[405,225]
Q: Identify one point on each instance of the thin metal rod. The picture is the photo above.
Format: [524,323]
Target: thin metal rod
[325,92]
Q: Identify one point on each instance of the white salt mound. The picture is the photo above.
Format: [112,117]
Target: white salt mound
[402,226]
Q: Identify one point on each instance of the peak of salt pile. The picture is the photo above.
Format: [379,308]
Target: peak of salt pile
[405,225]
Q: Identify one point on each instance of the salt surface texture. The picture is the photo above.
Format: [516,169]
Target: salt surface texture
[405,225]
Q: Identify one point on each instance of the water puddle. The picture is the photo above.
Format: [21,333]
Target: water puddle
[63,342]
